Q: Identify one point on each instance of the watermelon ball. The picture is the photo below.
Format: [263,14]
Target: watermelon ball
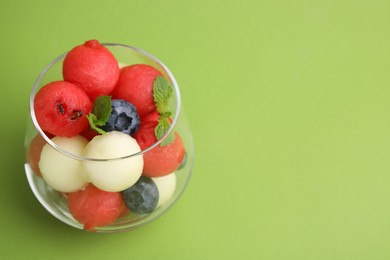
[60,108]
[124,212]
[89,133]
[92,67]
[135,85]
[161,160]
[151,117]
[142,197]
[93,207]
[34,153]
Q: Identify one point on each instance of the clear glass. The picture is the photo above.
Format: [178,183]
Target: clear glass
[56,202]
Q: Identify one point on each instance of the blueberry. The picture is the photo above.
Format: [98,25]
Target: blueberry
[124,118]
[142,197]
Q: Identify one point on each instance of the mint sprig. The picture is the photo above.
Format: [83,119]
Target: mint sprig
[101,111]
[162,92]
[161,128]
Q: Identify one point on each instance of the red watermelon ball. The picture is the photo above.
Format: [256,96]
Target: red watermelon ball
[60,108]
[135,85]
[34,153]
[89,133]
[161,160]
[34,150]
[93,207]
[151,117]
[92,67]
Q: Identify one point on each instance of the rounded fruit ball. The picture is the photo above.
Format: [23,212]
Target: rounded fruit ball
[33,154]
[60,108]
[161,160]
[166,186]
[135,84]
[94,207]
[142,197]
[113,175]
[92,67]
[59,171]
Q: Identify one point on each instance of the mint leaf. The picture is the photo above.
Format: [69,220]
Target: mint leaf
[101,111]
[166,114]
[92,119]
[162,92]
[161,128]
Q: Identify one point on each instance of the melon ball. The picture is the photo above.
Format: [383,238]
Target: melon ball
[59,171]
[113,175]
[166,186]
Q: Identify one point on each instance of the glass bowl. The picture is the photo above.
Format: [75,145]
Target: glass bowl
[56,202]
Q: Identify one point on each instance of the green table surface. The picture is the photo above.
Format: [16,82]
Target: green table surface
[288,103]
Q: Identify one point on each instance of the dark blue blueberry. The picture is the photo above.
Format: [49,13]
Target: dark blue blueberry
[124,118]
[142,197]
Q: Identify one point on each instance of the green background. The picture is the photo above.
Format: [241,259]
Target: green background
[289,106]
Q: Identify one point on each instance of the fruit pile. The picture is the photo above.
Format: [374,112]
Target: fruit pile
[102,111]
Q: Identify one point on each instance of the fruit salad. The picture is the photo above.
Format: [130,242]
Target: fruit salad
[111,117]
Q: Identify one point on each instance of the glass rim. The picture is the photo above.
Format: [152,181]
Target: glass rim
[82,158]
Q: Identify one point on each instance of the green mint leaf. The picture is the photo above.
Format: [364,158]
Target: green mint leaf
[162,91]
[92,122]
[101,111]
[99,130]
[91,118]
[166,114]
[160,130]
[162,127]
